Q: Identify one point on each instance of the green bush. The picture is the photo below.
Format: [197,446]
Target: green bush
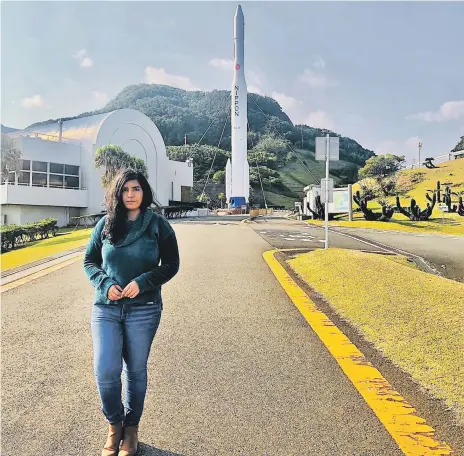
[14,235]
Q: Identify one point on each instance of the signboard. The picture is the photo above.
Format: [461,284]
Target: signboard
[341,200]
[341,203]
[334,148]
[443,207]
[327,185]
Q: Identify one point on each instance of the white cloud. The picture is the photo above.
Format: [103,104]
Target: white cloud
[319,63]
[286,102]
[253,89]
[36,101]
[320,119]
[101,97]
[159,76]
[409,148]
[451,110]
[316,80]
[84,59]
[413,142]
[222,64]
[256,80]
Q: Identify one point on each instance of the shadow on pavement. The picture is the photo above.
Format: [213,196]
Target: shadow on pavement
[150,450]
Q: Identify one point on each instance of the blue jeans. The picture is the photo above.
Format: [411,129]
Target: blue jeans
[123,333]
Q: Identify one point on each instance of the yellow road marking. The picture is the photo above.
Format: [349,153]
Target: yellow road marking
[36,275]
[411,433]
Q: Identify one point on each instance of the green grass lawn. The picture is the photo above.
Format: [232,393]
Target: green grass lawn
[415,319]
[66,239]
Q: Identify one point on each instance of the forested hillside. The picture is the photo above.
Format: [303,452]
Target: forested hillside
[278,147]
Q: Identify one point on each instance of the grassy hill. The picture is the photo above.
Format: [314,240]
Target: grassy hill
[414,184]
[296,176]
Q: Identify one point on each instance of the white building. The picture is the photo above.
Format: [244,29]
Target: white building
[58,177]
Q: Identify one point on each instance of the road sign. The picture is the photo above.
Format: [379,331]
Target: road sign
[334,148]
[327,185]
[443,207]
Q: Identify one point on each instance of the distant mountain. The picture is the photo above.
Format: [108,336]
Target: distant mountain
[8,129]
[204,117]
[178,112]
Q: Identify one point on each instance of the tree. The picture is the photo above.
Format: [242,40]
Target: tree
[383,168]
[112,158]
[221,198]
[219,176]
[429,163]
[11,157]
[459,145]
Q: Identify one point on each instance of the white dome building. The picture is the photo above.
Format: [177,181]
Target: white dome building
[58,178]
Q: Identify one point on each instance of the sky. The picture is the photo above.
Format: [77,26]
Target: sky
[387,74]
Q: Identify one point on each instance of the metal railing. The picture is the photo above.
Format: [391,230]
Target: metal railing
[447,156]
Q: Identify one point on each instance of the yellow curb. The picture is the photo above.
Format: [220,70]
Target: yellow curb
[38,274]
[411,433]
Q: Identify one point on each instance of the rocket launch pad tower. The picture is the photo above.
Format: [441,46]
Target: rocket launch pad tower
[237,171]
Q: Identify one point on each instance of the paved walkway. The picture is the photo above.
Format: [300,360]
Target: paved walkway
[234,369]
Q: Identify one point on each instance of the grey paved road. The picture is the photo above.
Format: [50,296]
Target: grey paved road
[445,254]
[234,370]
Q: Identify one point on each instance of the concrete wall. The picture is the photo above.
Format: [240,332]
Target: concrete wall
[68,153]
[20,215]
[43,196]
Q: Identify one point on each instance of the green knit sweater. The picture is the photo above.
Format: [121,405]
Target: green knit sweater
[150,240]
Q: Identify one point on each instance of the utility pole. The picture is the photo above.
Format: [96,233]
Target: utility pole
[420,147]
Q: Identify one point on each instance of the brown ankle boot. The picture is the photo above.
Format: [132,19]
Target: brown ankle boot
[113,440]
[130,442]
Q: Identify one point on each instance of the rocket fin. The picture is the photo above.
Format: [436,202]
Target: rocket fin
[228,180]
[246,181]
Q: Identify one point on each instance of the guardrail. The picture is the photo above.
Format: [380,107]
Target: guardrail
[449,155]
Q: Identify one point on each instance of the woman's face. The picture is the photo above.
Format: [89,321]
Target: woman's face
[132,195]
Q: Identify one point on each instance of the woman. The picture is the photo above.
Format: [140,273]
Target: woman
[122,263]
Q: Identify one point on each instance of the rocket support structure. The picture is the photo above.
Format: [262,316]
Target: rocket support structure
[237,171]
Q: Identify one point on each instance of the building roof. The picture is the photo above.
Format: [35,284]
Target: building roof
[81,129]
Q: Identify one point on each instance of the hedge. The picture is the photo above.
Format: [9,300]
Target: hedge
[13,236]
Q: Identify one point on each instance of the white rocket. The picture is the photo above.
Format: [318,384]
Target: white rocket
[237,172]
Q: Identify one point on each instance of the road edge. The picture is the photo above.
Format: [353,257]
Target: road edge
[413,436]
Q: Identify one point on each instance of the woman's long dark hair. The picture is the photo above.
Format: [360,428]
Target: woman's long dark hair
[116,210]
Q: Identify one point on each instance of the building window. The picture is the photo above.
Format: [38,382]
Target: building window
[43,174]
[39,166]
[56,180]
[64,176]
[24,178]
[56,168]
[71,170]
[71,182]
[39,179]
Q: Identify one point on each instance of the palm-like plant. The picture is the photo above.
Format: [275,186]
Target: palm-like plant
[11,157]
[113,158]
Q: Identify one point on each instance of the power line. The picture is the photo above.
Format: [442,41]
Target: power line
[278,132]
[209,126]
[257,166]
[214,158]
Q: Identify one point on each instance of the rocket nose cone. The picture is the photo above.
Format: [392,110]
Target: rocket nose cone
[238,11]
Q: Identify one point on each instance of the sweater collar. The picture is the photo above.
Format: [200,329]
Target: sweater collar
[138,228]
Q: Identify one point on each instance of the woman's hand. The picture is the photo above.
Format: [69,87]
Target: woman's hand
[115,293]
[131,291]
